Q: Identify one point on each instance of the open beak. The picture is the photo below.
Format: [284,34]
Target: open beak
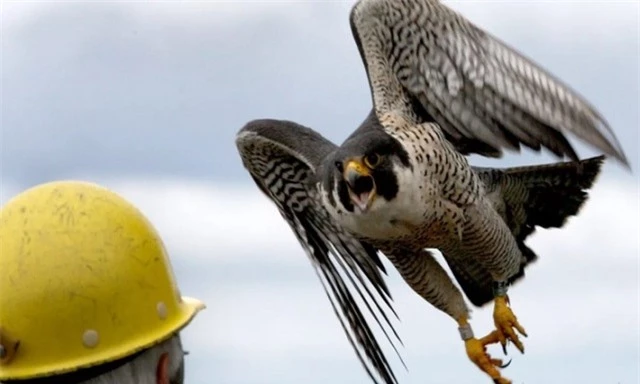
[362,188]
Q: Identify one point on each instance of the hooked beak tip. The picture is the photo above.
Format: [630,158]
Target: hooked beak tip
[351,177]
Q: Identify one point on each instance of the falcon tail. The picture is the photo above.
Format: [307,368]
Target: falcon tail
[534,196]
[554,192]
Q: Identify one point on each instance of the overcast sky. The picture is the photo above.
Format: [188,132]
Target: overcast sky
[146,99]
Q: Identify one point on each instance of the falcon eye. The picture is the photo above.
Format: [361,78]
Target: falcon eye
[372,160]
[339,166]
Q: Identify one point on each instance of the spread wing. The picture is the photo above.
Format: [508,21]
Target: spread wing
[429,63]
[283,157]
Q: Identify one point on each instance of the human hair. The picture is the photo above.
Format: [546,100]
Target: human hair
[139,370]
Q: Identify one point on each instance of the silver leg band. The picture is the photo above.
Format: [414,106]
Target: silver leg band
[500,288]
[466,332]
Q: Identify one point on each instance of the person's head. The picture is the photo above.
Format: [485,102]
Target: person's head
[87,292]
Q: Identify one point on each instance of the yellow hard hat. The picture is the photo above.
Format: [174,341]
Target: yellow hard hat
[84,280]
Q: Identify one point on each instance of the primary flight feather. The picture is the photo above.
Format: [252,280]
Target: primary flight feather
[442,88]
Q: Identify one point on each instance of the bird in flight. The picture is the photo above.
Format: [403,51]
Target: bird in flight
[401,184]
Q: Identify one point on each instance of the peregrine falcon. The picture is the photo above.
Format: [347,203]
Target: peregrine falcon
[401,184]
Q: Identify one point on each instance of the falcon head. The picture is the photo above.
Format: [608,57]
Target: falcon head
[365,170]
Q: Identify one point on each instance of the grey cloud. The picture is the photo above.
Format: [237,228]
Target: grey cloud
[93,89]
[89,89]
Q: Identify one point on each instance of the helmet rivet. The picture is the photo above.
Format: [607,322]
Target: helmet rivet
[162,310]
[90,338]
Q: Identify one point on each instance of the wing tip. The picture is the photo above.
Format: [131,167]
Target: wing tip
[250,131]
[612,146]
[256,125]
[622,159]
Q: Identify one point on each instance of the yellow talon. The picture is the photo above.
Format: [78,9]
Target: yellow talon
[477,352]
[505,321]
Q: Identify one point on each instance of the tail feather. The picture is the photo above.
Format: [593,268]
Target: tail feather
[529,197]
[543,195]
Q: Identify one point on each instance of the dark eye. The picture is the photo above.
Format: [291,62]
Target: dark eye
[372,160]
[339,166]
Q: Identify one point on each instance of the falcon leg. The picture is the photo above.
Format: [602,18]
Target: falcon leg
[477,352]
[426,276]
[504,319]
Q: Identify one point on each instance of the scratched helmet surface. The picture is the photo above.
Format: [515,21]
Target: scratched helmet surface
[84,280]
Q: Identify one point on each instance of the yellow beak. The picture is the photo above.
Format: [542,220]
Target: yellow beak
[362,188]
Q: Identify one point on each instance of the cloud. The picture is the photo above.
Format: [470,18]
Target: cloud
[161,89]
[558,17]
[266,308]
[555,20]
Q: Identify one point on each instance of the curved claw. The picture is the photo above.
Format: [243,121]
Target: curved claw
[507,324]
[503,366]
[477,353]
